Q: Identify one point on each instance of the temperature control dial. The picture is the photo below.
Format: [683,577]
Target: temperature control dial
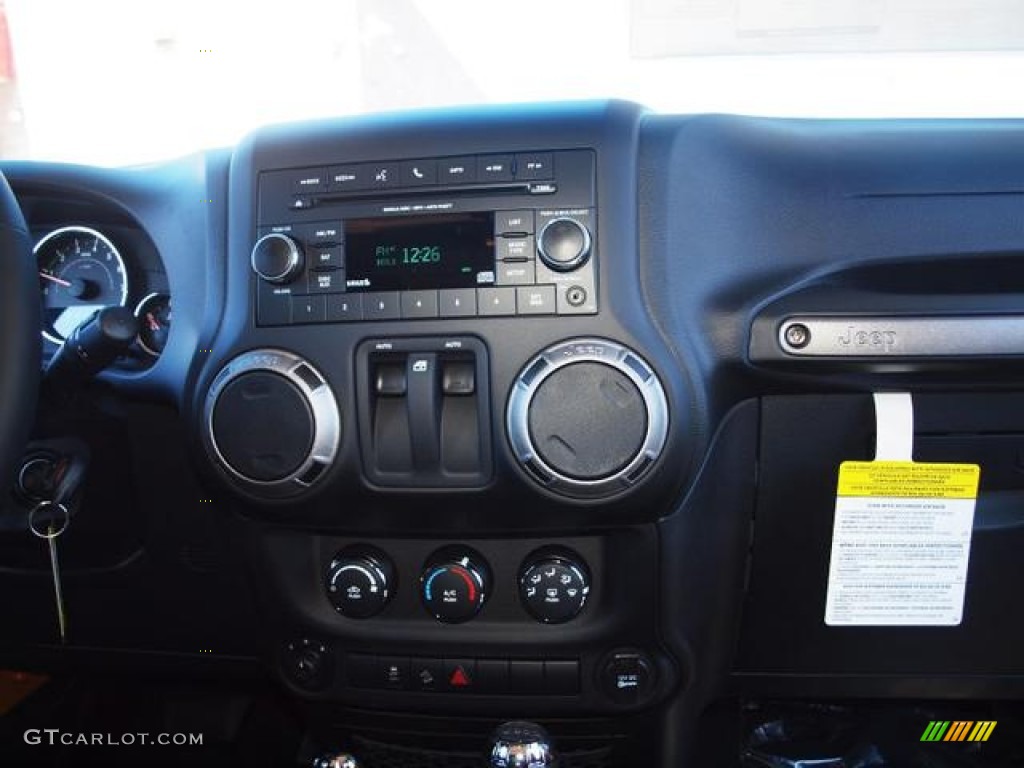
[359,582]
[277,258]
[455,585]
[554,587]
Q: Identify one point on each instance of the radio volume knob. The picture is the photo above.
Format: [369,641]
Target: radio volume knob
[564,244]
[277,258]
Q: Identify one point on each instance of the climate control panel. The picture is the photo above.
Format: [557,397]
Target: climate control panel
[552,583]
[555,623]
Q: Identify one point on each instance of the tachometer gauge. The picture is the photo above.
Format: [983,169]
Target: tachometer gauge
[80,272]
[154,313]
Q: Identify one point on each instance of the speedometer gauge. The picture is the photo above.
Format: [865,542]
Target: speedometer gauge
[80,272]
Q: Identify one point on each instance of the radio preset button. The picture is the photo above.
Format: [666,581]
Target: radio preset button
[536,300]
[308,309]
[344,307]
[419,304]
[457,170]
[496,301]
[457,302]
[382,306]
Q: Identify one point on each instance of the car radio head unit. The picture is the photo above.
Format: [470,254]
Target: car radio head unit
[509,238]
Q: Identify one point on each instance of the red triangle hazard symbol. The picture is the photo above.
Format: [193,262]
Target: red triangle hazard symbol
[459,678]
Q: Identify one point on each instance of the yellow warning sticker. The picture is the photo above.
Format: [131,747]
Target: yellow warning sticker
[908,480]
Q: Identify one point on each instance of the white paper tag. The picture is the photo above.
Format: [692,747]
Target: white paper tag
[902,534]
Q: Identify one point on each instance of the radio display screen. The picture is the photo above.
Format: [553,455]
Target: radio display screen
[403,253]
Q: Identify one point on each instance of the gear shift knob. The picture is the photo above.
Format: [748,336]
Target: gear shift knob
[519,744]
[341,760]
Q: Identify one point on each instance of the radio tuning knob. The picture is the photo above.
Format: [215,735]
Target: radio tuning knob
[277,258]
[564,244]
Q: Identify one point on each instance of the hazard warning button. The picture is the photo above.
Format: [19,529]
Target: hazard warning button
[460,674]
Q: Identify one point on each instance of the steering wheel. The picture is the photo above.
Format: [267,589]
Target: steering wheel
[19,334]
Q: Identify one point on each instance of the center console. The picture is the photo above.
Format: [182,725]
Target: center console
[445,425]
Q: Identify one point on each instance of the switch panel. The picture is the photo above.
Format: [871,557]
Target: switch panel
[424,412]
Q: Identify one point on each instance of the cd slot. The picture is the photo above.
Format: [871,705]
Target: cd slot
[302,202]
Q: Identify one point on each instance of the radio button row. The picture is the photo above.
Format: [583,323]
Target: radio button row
[457,302]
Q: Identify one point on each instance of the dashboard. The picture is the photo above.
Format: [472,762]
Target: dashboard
[526,412]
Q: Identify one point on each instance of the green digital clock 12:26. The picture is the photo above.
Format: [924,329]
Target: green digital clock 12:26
[394,255]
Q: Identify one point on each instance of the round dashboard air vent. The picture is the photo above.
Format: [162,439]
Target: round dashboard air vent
[272,422]
[587,417]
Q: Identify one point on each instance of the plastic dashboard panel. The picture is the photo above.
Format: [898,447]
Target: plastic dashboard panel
[711,230]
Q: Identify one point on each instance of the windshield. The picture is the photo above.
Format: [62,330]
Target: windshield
[115,82]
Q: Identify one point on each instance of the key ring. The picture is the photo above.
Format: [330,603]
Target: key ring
[41,506]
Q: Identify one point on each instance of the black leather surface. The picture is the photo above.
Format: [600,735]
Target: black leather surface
[19,333]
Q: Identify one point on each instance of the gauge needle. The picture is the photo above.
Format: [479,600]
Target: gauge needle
[54,279]
[153,324]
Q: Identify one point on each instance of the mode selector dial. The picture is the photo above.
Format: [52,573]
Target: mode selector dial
[359,582]
[554,587]
[277,258]
[564,244]
[455,585]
